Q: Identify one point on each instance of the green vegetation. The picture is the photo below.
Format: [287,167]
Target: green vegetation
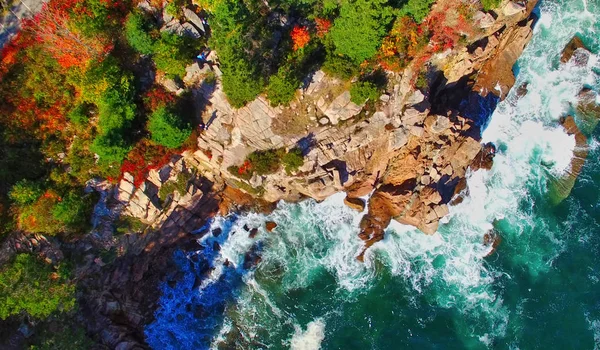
[179,185]
[282,88]
[172,53]
[70,335]
[128,224]
[25,192]
[231,27]
[362,91]
[137,33]
[268,162]
[292,160]
[418,9]
[28,285]
[168,129]
[490,4]
[265,162]
[358,31]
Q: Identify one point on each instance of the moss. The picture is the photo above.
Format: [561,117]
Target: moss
[179,185]
[128,224]
[257,191]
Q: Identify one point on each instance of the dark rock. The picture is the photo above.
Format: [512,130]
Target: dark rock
[253,233]
[252,257]
[217,232]
[246,228]
[216,246]
[270,225]
[491,239]
[522,90]
[485,158]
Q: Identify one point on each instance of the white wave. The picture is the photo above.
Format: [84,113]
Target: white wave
[311,338]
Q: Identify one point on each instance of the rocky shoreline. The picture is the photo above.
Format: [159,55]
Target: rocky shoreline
[409,155]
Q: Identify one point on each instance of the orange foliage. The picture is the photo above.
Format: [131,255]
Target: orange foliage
[323,26]
[69,48]
[143,158]
[300,37]
[158,97]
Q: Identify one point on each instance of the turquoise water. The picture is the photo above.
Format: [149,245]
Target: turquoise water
[539,290]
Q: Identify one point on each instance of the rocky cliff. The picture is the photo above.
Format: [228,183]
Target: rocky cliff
[402,158]
[408,153]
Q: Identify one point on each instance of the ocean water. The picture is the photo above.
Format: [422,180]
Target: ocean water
[539,290]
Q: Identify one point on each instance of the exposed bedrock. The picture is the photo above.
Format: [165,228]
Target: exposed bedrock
[410,152]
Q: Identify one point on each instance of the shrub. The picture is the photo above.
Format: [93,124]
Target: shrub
[362,91]
[418,9]
[172,53]
[28,285]
[179,185]
[53,214]
[127,224]
[490,4]
[241,82]
[136,33]
[168,129]
[340,66]
[110,147]
[231,25]
[79,115]
[265,162]
[292,160]
[282,88]
[73,211]
[25,192]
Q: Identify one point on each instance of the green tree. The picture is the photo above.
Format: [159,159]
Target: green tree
[28,285]
[136,32]
[362,91]
[282,87]
[79,115]
[231,28]
[358,31]
[265,162]
[172,53]
[168,129]
[110,147]
[418,9]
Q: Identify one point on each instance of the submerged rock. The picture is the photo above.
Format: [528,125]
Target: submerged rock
[492,239]
[561,187]
[270,226]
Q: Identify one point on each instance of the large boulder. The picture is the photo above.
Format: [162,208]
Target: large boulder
[569,51]
[357,204]
[561,187]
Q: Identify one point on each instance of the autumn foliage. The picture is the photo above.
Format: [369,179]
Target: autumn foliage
[143,158]
[158,97]
[300,37]
[323,26]
[68,47]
